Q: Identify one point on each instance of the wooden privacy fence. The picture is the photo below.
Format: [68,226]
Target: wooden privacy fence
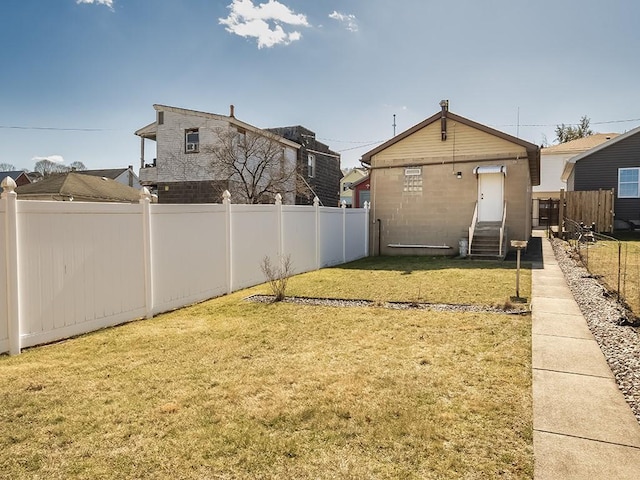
[594,206]
[68,268]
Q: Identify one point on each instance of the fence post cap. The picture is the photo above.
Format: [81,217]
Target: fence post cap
[316,201]
[145,194]
[343,204]
[226,196]
[278,199]
[8,186]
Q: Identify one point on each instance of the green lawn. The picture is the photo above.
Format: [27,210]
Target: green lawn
[231,389]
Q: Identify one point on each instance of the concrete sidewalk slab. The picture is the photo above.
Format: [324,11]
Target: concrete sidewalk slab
[560,457]
[571,355]
[564,306]
[545,323]
[551,290]
[583,406]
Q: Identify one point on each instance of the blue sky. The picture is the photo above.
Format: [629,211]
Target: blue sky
[79,77]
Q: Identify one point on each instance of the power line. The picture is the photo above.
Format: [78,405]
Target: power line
[568,124]
[361,146]
[15,127]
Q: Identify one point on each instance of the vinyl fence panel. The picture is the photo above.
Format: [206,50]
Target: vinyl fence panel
[80,268]
[188,254]
[300,237]
[68,268]
[254,229]
[355,234]
[331,247]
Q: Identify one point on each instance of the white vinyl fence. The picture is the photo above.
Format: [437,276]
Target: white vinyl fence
[70,268]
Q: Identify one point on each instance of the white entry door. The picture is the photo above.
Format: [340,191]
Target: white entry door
[490,197]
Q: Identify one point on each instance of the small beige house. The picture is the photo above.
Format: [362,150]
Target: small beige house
[349,177]
[449,184]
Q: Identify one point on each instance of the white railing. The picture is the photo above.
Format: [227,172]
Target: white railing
[68,268]
[502,230]
[472,228]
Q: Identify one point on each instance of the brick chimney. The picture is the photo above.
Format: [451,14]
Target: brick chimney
[232,111]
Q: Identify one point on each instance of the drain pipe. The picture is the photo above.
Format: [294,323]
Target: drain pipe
[379,236]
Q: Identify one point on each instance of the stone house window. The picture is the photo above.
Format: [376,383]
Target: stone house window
[192,140]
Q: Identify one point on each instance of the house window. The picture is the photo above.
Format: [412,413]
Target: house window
[242,137]
[413,180]
[160,118]
[311,165]
[629,182]
[346,186]
[192,140]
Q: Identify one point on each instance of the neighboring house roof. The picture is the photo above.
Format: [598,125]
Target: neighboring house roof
[354,172]
[569,166]
[533,151]
[150,131]
[79,187]
[14,174]
[358,182]
[111,173]
[578,145]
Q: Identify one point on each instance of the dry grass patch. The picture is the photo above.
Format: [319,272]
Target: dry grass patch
[230,389]
[416,279]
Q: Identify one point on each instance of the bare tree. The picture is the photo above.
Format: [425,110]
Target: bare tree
[253,164]
[6,167]
[47,167]
[78,166]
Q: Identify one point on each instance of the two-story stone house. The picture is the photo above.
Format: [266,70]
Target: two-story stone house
[190,167]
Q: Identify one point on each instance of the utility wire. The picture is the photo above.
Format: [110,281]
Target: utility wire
[13,127]
[568,124]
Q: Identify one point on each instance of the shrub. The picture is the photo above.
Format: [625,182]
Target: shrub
[277,275]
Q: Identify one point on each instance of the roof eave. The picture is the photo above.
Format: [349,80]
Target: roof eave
[224,118]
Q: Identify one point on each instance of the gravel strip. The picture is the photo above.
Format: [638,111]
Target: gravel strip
[440,307]
[608,321]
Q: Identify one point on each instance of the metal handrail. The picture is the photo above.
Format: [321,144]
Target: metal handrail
[504,219]
[472,228]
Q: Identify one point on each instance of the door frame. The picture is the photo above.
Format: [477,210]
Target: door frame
[497,204]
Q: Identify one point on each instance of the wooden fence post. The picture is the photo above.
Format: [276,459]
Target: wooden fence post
[145,201]
[13,294]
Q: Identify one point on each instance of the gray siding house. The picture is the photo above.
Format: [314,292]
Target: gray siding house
[613,164]
[318,167]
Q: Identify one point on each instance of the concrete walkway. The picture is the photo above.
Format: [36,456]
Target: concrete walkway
[582,426]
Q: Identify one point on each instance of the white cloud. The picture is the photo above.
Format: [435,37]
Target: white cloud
[350,21]
[51,158]
[108,3]
[266,22]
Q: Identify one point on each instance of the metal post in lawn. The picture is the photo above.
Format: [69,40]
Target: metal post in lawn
[518,245]
[619,266]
